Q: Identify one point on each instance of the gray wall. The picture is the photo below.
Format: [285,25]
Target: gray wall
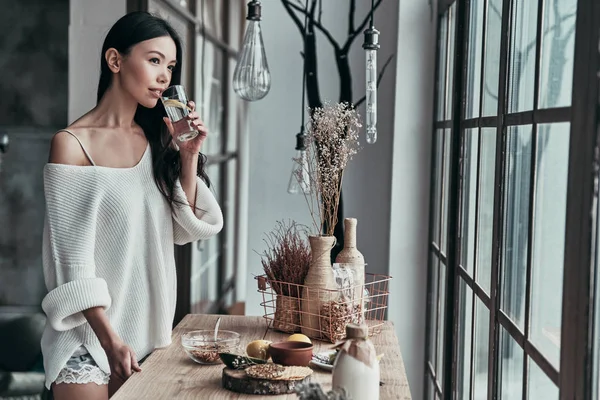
[410,184]
[34,61]
[34,45]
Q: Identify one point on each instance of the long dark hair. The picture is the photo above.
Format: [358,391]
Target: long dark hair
[128,31]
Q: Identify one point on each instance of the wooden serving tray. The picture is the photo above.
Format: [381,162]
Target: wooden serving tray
[237,381]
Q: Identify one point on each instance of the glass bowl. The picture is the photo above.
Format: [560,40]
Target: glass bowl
[201,346]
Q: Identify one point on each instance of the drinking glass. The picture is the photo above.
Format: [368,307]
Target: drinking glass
[175,101]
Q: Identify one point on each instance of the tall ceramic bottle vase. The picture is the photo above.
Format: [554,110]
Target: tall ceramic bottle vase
[319,285]
[350,255]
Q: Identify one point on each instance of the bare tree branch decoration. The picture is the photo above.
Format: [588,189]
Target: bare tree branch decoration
[351,16]
[341,51]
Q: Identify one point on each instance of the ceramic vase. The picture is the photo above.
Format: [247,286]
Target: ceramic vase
[319,285]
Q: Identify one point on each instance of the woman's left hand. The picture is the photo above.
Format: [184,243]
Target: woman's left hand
[192,145]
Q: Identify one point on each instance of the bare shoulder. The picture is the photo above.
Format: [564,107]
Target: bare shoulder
[66,149]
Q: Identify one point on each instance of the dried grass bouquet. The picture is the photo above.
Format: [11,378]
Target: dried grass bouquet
[332,141]
[287,257]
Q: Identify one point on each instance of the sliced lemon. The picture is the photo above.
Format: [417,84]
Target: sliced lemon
[175,103]
[298,337]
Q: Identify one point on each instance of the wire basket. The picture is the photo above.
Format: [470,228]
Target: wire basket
[349,304]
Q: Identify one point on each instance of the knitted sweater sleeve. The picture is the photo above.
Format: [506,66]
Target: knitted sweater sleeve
[205,222]
[70,229]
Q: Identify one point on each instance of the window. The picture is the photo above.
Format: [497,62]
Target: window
[511,244]
[211,32]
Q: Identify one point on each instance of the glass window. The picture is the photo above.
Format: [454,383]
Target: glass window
[465,322]
[539,385]
[445,188]
[469,199]
[558,44]
[485,217]
[511,370]
[491,67]
[441,324]
[522,56]
[434,268]
[474,57]
[549,238]
[437,184]
[516,222]
[451,59]
[481,351]
[442,68]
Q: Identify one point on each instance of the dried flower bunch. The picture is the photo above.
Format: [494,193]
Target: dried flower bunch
[287,257]
[314,391]
[332,141]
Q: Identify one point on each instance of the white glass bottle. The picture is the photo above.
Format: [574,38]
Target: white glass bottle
[356,368]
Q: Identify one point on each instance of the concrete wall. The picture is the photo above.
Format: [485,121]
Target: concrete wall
[34,62]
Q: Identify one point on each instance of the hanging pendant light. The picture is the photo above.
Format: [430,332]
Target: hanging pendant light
[371,45]
[300,178]
[251,78]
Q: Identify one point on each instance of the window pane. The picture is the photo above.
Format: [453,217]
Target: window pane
[209,98]
[522,56]
[485,218]
[442,62]
[468,200]
[445,189]
[516,222]
[558,48]
[451,57]
[511,359]
[481,351]
[437,184]
[549,238]
[431,389]
[540,386]
[465,322]
[235,112]
[229,208]
[474,58]
[491,63]
[434,307]
[210,13]
[441,325]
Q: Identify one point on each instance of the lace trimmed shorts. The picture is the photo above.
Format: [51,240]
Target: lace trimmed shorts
[81,368]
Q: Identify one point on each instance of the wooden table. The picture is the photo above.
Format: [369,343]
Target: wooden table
[169,374]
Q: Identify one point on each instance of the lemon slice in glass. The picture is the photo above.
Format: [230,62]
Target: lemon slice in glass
[175,103]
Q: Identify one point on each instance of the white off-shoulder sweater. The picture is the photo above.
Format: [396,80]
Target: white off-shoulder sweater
[108,241]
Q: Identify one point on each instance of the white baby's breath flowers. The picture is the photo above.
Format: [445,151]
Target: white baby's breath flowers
[331,142]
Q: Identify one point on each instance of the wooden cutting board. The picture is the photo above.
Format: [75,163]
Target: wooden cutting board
[237,381]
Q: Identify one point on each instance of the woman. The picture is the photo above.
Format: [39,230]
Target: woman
[119,195]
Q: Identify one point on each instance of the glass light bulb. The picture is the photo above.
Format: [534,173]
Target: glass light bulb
[300,178]
[371,96]
[251,78]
